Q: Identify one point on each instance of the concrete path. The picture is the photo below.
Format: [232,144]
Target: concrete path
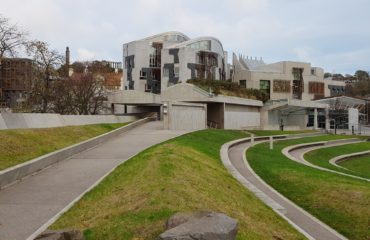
[29,204]
[298,156]
[306,223]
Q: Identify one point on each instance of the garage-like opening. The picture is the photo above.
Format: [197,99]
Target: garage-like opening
[139,110]
[215,115]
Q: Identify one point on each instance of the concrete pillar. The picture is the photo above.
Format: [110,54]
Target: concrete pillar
[271,143]
[327,120]
[252,139]
[315,125]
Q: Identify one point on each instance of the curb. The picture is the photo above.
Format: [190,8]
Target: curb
[276,207]
[16,173]
[347,157]
[325,144]
[281,213]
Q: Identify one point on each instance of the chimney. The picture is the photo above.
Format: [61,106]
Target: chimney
[67,57]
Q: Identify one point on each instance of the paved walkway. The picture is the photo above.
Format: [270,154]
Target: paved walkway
[29,204]
[298,156]
[309,224]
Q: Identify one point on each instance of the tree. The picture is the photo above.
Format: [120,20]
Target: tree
[327,75]
[46,61]
[63,98]
[12,38]
[361,75]
[89,94]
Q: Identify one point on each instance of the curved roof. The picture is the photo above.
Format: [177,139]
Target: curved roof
[166,34]
[194,40]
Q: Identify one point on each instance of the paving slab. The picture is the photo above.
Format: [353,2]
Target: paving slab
[29,204]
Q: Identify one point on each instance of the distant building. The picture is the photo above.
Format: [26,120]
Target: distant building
[16,77]
[155,63]
[286,79]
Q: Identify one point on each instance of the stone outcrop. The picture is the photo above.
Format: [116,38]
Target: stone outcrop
[61,235]
[202,225]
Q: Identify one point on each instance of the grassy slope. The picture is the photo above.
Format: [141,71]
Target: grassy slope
[20,145]
[359,164]
[341,202]
[183,174]
[276,132]
[322,156]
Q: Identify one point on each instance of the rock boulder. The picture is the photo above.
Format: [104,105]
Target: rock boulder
[202,225]
[61,235]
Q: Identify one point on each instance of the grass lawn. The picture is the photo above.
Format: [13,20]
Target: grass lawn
[277,132]
[20,145]
[341,202]
[182,174]
[358,164]
[322,156]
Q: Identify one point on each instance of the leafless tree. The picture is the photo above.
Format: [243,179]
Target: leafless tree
[89,94]
[46,61]
[12,37]
[63,98]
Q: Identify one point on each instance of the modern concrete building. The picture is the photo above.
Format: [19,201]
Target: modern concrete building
[285,80]
[157,68]
[185,106]
[155,63]
[291,87]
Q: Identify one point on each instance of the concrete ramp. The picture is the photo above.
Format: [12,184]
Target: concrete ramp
[48,120]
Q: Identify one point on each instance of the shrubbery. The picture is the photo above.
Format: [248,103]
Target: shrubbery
[229,88]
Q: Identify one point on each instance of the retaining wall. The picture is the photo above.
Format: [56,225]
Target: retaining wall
[47,120]
[13,174]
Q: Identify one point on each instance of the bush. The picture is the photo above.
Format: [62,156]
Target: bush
[229,88]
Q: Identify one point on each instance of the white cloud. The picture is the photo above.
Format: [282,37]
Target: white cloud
[307,30]
[85,55]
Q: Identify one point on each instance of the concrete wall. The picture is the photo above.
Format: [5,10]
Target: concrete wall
[39,120]
[353,118]
[239,117]
[271,120]
[185,116]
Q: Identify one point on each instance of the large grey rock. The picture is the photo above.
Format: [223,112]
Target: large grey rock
[61,235]
[202,225]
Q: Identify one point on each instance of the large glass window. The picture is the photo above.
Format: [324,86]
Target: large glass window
[166,72]
[201,45]
[176,72]
[265,87]
[243,83]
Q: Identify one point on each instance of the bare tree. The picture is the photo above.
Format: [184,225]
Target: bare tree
[89,94]
[12,38]
[47,61]
[63,98]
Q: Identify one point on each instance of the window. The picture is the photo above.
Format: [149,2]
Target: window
[143,75]
[281,86]
[148,87]
[202,45]
[313,71]
[243,83]
[166,72]
[176,72]
[265,87]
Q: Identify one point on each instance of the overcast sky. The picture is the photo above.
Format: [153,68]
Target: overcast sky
[333,34]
